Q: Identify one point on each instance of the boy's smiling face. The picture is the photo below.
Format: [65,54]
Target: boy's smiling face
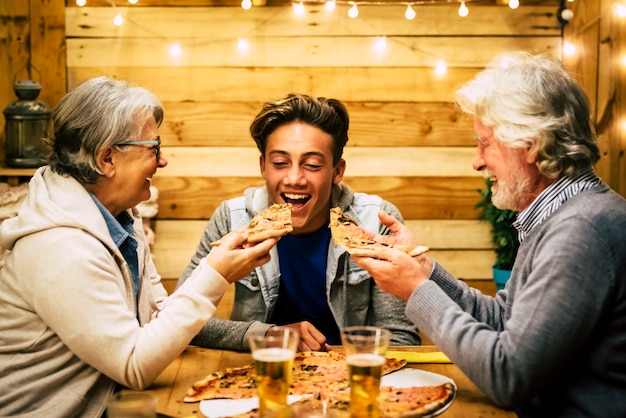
[298,169]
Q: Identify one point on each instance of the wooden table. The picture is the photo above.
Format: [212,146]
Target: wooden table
[195,363]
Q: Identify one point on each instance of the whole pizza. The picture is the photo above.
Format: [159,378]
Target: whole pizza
[321,378]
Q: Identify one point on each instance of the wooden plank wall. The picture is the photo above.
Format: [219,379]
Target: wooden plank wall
[407,142]
[598,32]
[32,46]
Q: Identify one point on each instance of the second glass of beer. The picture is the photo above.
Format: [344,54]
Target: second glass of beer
[365,348]
[273,353]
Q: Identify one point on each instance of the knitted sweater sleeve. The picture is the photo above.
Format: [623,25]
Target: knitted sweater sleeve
[515,345]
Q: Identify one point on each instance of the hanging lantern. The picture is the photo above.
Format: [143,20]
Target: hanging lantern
[27,123]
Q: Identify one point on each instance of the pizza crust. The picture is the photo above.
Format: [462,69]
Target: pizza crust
[273,222]
[315,372]
[346,233]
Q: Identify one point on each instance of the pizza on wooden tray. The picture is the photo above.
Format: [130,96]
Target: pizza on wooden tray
[273,222]
[314,372]
[322,380]
[406,402]
[347,233]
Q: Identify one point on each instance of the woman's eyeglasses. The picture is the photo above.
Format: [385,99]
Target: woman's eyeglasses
[156,147]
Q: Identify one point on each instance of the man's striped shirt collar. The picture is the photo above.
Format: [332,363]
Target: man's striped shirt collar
[553,198]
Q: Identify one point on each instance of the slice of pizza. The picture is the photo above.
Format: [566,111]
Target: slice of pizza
[233,383]
[273,222]
[348,234]
[415,401]
[408,402]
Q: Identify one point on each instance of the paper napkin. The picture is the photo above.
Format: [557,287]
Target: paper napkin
[416,357]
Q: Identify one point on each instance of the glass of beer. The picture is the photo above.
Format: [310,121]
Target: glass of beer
[273,353]
[365,348]
[129,404]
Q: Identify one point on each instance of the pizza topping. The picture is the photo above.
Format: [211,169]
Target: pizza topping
[323,378]
[314,372]
[273,222]
[346,233]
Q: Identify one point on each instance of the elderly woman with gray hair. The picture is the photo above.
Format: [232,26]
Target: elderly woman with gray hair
[83,309]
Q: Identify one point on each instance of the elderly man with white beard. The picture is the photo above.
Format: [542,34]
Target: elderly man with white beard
[553,342]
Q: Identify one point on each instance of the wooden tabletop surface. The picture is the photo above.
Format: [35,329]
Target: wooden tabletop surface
[195,363]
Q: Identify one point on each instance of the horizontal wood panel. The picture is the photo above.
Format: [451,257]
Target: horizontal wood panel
[385,124]
[486,286]
[264,52]
[437,234]
[365,161]
[176,242]
[365,84]
[234,22]
[275,3]
[464,264]
[415,197]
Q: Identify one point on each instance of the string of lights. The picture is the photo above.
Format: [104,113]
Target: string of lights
[353,10]
[564,15]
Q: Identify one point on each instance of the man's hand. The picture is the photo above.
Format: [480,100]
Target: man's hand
[401,235]
[310,338]
[394,271]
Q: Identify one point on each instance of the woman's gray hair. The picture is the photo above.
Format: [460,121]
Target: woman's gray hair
[98,113]
[530,101]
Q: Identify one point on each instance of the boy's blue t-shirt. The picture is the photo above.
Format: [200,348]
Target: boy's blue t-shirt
[302,295]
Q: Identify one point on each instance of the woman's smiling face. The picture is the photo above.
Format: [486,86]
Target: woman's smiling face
[298,169]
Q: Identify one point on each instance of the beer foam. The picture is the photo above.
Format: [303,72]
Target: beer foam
[273,354]
[365,360]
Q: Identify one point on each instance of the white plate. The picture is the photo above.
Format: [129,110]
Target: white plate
[406,377]
[217,408]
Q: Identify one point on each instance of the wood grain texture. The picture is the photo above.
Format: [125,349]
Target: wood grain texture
[199,23]
[284,3]
[269,52]
[364,161]
[463,247]
[384,124]
[415,197]
[214,84]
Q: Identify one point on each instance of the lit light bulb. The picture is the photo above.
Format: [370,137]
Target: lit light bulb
[410,13]
[624,125]
[298,8]
[330,5]
[118,20]
[569,49]
[133,1]
[81,3]
[243,44]
[463,10]
[620,10]
[176,51]
[623,60]
[381,44]
[567,15]
[354,11]
[513,4]
[246,4]
[441,68]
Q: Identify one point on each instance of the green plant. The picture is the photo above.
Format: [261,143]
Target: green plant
[503,234]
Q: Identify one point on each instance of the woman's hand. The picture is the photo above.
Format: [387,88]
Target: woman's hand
[235,257]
